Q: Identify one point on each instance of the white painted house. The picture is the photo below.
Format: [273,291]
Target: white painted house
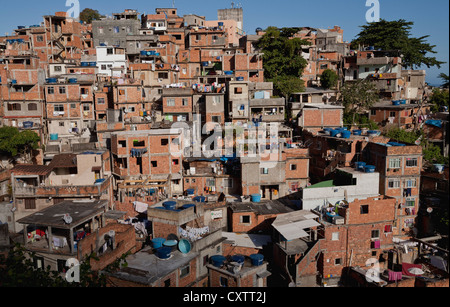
[111,61]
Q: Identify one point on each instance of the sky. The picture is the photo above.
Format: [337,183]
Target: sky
[430,17]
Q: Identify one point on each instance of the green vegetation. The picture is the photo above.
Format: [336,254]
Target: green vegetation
[444,78]
[18,270]
[431,152]
[395,35]
[439,98]
[283,63]
[88,15]
[360,120]
[14,142]
[358,97]
[329,79]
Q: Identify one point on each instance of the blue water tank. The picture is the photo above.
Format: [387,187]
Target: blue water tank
[170,243]
[357,132]
[54,137]
[360,165]
[170,205]
[346,134]
[158,242]
[190,191]
[395,102]
[164,252]
[93,64]
[257,259]
[217,260]
[84,64]
[403,101]
[256,198]
[369,168]
[200,199]
[73,80]
[238,259]
[184,246]
[335,132]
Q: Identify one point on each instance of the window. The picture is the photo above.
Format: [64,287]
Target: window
[223,282]
[337,261]
[154,163]
[51,90]
[163,75]
[73,105]
[394,183]
[411,162]
[215,119]
[228,183]
[103,67]
[59,108]
[116,30]
[30,203]
[364,209]
[171,102]
[40,38]
[392,114]
[395,163]
[388,228]
[184,271]
[411,183]
[238,90]
[264,171]
[32,107]
[198,37]
[58,68]
[110,51]
[101,100]
[205,260]
[86,107]
[61,124]
[14,107]
[185,102]
[373,112]
[210,182]
[410,202]
[245,219]
[375,234]
[293,167]
[62,89]
[100,30]
[167,283]
[84,91]
[139,143]
[335,236]
[164,142]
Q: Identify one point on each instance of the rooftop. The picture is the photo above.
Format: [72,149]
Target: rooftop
[80,211]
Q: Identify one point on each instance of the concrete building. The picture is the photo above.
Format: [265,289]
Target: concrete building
[75,229]
[349,184]
[114,32]
[111,61]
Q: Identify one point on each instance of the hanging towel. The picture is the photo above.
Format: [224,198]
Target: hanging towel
[407,266]
[393,276]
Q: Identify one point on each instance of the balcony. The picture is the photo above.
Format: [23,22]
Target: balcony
[61,191]
[373,61]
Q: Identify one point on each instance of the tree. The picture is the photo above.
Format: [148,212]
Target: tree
[287,85]
[444,78]
[282,59]
[14,142]
[358,97]
[395,35]
[439,98]
[329,79]
[88,15]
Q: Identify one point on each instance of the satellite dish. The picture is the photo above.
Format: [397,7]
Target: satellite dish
[67,218]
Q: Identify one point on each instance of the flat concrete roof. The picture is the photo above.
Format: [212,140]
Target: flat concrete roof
[263,207]
[145,267]
[80,211]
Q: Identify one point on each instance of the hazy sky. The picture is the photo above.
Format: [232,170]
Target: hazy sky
[430,17]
